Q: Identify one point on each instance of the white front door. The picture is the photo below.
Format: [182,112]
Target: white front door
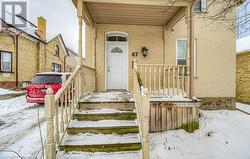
[117,65]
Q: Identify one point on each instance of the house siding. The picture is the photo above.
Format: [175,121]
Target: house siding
[243,77]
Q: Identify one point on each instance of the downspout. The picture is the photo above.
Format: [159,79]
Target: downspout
[16,61]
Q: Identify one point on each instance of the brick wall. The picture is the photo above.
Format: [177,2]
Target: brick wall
[50,54]
[243,77]
[33,57]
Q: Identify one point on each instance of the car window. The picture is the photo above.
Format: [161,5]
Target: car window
[47,79]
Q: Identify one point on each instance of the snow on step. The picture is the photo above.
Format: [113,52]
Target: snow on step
[100,139]
[103,111]
[102,123]
[100,155]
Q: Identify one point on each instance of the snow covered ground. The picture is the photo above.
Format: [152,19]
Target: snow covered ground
[243,107]
[222,134]
[5,91]
[19,130]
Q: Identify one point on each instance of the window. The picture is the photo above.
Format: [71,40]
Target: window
[57,50]
[56,67]
[200,6]
[181,52]
[47,79]
[25,84]
[116,38]
[243,23]
[116,50]
[6,61]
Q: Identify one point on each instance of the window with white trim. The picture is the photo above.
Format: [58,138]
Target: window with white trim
[56,67]
[6,61]
[200,6]
[181,52]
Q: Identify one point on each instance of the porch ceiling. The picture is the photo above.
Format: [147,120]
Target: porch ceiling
[137,14]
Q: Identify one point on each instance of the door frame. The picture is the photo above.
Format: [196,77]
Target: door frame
[105,51]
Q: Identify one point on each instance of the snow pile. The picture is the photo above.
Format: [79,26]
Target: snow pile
[19,128]
[222,134]
[13,105]
[5,91]
[243,107]
[116,96]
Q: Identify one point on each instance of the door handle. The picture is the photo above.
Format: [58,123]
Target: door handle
[108,69]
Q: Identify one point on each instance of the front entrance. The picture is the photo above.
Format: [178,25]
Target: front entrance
[116,61]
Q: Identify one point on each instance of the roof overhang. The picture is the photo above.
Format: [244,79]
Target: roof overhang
[131,12]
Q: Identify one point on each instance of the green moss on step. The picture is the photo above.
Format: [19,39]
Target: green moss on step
[102,148]
[104,130]
[114,116]
[190,127]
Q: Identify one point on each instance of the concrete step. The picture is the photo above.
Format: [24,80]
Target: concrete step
[108,105]
[99,155]
[103,127]
[101,143]
[104,114]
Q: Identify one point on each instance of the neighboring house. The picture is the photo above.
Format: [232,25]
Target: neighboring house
[243,53]
[27,52]
[72,60]
[155,34]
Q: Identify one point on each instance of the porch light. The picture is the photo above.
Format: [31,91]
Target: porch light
[144,51]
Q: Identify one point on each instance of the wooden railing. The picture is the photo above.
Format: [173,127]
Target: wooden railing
[164,80]
[142,105]
[59,107]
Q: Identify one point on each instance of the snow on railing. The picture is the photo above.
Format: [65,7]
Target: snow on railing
[142,105]
[59,108]
[164,80]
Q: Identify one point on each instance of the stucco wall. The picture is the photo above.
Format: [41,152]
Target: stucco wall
[215,49]
[243,77]
[89,45]
[138,36]
[216,58]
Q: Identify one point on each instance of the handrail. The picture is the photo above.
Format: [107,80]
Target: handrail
[142,105]
[80,83]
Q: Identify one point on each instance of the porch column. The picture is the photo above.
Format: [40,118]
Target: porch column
[80,17]
[190,45]
[165,44]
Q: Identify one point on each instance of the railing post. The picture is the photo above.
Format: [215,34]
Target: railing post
[145,124]
[50,148]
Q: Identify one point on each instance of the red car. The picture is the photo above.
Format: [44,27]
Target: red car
[36,90]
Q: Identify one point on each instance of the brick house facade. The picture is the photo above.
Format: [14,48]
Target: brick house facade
[24,55]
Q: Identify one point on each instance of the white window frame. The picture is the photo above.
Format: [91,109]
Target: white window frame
[195,58]
[203,7]
[177,50]
[56,66]
[2,53]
